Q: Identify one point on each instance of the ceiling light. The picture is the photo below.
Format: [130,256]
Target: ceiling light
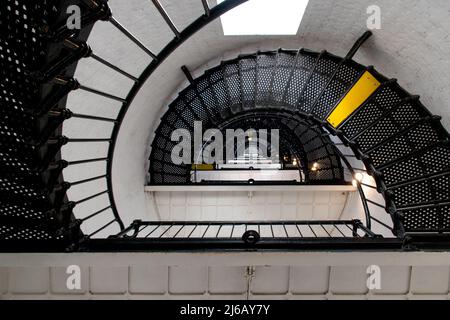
[315,166]
[264,17]
[359,177]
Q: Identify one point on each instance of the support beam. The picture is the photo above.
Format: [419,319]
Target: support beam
[101,93]
[70,163]
[187,73]
[84,140]
[102,228]
[166,18]
[206,7]
[89,117]
[115,68]
[95,213]
[130,36]
[358,44]
[91,197]
[87,180]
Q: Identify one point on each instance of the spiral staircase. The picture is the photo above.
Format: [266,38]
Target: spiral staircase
[319,98]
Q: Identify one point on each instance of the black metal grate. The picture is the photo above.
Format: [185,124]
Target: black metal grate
[247,68]
[383,100]
[321,75]
[298,77]
[346,74]
[403,144]
[32,108]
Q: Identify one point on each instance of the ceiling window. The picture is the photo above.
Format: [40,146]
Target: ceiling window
[264,17]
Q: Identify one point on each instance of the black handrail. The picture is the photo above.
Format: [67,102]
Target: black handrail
[184,35]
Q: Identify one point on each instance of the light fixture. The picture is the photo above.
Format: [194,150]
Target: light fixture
[264,17]
[294,162]
[359,177]
[315,166]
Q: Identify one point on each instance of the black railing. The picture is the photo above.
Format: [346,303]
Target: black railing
[210,15]
[247,231]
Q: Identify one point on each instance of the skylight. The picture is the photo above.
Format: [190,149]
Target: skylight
[264,17]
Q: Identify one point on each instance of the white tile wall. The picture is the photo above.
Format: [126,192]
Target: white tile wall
[395,280]
[236,280]
[188,280]
[309,280]
[108,280]
[33,280]
[261,205]
[348,280]
[429,280]
[226,282]
[148,280]
[270,280]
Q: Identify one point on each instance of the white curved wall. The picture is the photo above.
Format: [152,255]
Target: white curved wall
[413,46]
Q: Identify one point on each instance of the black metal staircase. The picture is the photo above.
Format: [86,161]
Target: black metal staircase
[402,145]
[400,142]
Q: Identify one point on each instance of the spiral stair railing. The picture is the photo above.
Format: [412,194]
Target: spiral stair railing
[402,146]
[44,23]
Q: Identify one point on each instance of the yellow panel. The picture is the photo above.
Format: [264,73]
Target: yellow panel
[357,95]
[203,167]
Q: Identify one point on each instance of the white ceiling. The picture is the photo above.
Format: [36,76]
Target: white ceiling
[413,46]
